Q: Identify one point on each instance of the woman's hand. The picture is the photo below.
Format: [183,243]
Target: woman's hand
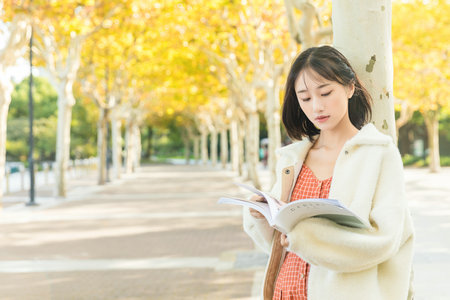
[256,214]
[284,241]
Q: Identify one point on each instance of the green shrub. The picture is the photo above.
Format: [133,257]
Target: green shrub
[445,161]
[415,161]
[409,159]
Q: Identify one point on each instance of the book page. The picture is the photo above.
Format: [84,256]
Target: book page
[293,212]
[274,204]
[262,207]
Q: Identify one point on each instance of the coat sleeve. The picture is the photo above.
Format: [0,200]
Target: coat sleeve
[259,231]
[344,249]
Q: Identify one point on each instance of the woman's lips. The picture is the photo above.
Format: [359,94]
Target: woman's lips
[322,119]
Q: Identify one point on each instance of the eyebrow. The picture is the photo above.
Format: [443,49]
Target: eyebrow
[319,87]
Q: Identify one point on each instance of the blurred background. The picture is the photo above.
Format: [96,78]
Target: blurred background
[135,116]
[129,82]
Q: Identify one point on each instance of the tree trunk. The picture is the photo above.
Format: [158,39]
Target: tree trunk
[116,145]
[241,148]
[214,141]
[301,30]
[362,32]
[234,136]
[224,147]
[204,145]
[273,129]
[187,148]
[13,48]
[65,104]
[102,145]
[237,146]
[6,89]
[129,147]
[148,151]
[137,151]
[252,148]
[406,114]
[432,123]
[196,149]
[4,107]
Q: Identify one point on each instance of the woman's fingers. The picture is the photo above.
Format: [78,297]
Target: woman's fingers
[284,241]
[256,214]
[258,198]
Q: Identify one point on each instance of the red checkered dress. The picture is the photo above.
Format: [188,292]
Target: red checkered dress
[293,276]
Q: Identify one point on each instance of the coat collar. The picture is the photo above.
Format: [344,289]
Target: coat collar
[368,135]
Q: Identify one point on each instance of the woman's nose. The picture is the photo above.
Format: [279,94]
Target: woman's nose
[317,105]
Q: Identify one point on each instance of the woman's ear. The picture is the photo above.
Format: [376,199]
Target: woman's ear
[350,90]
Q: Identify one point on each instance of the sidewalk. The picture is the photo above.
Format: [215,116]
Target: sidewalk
[156,234]
[429,198]
[159,234]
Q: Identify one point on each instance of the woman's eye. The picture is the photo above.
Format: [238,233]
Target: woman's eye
[326,94]
[305,99]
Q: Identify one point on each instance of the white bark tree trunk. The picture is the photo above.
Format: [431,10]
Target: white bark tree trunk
[129,147]
[273,128]
[302,30]
[234,137]
[244,102]
[406,114]
[237,135]
[432,123]
[186,135]
[62,73]
[116,146]
[62,67]
[252,148]
[214,148]
[107,106]
[241,148]
[224,147]
[5,100]
[137,151]
[65,104]
[187,150]
[362,32]
[196,149]
[204,145]
[15,46]
[102,145]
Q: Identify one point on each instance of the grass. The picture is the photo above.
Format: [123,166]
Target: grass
[415,161]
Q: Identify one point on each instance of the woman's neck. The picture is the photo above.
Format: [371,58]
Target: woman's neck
[336,137]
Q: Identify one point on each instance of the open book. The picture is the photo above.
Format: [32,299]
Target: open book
[284,217]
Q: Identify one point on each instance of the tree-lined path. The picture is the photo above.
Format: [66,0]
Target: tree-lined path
[159,234]
[155,234]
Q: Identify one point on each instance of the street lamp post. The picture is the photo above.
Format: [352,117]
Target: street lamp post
[31,139]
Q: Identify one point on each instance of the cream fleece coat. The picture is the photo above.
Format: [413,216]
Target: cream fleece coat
[349,263]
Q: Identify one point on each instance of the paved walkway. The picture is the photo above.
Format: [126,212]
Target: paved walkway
[159,234]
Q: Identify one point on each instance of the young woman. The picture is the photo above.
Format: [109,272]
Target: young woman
[337,155]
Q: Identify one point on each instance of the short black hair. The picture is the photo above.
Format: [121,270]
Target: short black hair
[331,65]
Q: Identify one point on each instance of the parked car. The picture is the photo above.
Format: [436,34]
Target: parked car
[14,166]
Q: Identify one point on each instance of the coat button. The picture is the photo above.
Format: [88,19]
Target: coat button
[287,171]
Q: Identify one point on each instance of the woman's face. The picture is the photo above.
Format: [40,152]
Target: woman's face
[324,102]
